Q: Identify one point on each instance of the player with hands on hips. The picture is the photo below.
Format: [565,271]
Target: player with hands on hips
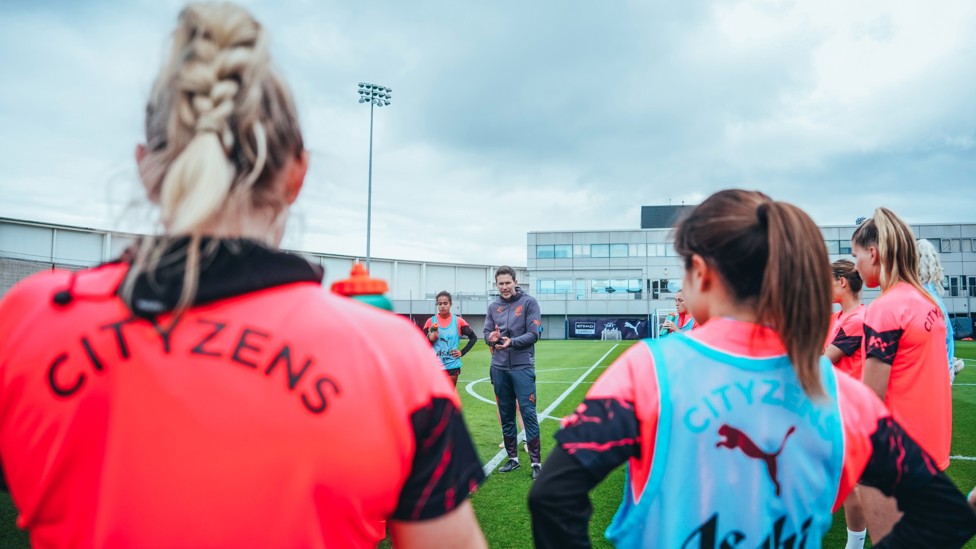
[444,330]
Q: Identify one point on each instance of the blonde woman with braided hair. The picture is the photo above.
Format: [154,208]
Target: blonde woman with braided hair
[205,390]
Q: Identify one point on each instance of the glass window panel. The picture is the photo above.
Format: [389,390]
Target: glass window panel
[543,252]
[833,246]
[562,251]
[546,286]
[599,250]
[669,249]
[844,247]
[637,250]
[580,250]
[967,244]
[618,250]
[599,286]
[954,286]
[564,286]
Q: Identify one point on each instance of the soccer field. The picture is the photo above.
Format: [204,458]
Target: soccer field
[565,371]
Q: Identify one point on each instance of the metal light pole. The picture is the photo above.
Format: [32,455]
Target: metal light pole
[378,96]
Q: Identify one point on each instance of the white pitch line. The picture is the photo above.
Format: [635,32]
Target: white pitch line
[472,392]
[561,369]
[502,454]
[470,386]
[964,458]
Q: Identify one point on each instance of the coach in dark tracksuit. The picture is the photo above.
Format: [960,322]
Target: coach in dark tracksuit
[512,327]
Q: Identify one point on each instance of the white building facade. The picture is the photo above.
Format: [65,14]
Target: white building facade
[626,275]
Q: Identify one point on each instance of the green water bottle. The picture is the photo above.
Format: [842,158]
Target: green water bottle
[361,287]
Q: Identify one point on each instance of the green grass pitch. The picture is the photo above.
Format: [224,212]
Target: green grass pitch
[500,503]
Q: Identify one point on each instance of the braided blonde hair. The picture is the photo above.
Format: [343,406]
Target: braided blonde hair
[220,126]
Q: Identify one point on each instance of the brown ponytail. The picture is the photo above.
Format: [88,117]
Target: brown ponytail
[897,250]
[770,254]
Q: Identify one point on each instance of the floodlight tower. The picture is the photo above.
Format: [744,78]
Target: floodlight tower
[376,96]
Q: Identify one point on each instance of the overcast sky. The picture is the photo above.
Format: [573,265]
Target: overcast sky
[509,117]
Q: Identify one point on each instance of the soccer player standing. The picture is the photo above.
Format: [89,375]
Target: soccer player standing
[205,391]
[905,349]
[444,330]
[845,349]
[512,327]
[740,433]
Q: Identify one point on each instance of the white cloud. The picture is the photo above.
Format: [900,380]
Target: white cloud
[513,117]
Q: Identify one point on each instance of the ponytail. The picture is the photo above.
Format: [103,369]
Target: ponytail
[897,250]
[772,256]
[220,127]
[795,296]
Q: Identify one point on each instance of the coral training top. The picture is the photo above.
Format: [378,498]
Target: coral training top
[905,330]
[847,334]
[266,417]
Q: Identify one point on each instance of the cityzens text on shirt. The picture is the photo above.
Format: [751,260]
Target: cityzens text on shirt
[762,391]
[240,346]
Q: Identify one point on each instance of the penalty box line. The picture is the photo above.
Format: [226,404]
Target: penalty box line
[502,454]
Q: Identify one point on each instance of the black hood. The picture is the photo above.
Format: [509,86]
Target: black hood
[235,267]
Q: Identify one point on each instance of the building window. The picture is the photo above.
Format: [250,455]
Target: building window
[833,247]
[637,250]
[619,250]
[950,245]
[599,250]
[600,286]
[972,286]
[844,247]
[655,250]
[579,250]
[544,252]
[953,285]
[549,286]
[936,242]
[562,251]
[669,250]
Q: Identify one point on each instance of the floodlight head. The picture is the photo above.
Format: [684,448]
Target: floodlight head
[386,102]
[362,99]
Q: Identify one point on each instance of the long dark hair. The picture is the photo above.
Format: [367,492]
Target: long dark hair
[772,257]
